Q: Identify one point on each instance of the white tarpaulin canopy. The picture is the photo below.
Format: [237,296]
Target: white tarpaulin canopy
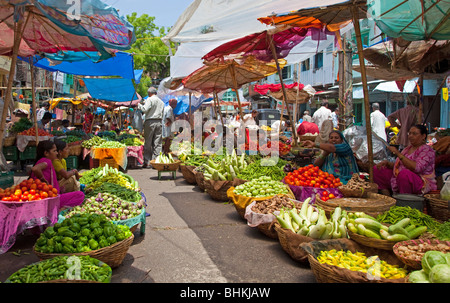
[391,86]
[206,24]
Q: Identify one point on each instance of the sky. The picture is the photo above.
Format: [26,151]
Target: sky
[166,12]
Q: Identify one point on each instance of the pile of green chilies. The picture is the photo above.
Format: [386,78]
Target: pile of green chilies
[418,218]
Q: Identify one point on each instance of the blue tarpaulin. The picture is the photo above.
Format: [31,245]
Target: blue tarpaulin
[111,89]
[122,65]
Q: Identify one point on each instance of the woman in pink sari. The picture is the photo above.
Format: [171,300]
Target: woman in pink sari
[43,170]
[413,170]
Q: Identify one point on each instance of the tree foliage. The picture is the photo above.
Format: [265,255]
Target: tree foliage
[150,53]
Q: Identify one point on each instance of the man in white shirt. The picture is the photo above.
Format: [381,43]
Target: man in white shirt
[153,108]
[378,121]
[335,118]
[168,119]
[249,119]
[322,114]
[306,117]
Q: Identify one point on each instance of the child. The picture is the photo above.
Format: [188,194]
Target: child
[67,180]
[43,170]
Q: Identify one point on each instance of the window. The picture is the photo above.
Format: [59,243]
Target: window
[305,65]
[286,72]
[318,60]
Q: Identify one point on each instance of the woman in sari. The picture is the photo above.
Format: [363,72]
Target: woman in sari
[43,170]
[413,170]
[88,120]
[337,156]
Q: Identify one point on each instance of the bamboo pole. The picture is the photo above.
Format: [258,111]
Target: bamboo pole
[233,76]
[216,98]
[283,89]
[365,90]
[8,94]
[33,98]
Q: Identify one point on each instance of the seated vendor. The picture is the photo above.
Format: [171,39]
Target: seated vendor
[337,157]
[413,170]
[67,180]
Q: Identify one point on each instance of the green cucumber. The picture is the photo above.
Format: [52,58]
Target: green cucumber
[417,232]
[369,223]
[397,238]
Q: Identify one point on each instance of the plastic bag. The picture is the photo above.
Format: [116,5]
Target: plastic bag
[445,191]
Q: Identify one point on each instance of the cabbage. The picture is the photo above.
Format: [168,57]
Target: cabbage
[440,274]
[418,276]
[432,258]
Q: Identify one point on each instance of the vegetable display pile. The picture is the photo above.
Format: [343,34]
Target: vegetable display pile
[269,206]
[110,144]
[94,141]
[418,218]
[28,190]
[162,158]
[313,223]
[312,176]
[32,132]
[368,226]
[264,167]
[227,169]
[81,233]
[117,190]
[61,267]
[435,268]
[109,205]
[417,251]
[132,142]
[110,175]
[261,187]
[21,125]
[108,135]
[71,139]
[443,231]
[360,262]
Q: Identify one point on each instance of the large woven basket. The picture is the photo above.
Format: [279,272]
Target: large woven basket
[306,138]
[75,150]
[325,273]
[290,243]
[165,166]
[188,173]
[268,229]
[358,192]
[373,205]
[415,263]
[439,208]
[199,179]
[371,242]
[112,255]
[9,141]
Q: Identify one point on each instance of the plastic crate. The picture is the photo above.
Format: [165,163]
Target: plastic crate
[28,154]
[132,162]
[6,179]
[93,163]
[11,153]
[72,162]
[110,161]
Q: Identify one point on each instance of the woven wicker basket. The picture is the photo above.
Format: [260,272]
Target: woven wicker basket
[358,192]
[112,255]
[414,263]
[75,150]
[268,229]
[373,205]
[188,173]
[439,208]
[292,249]
[165,166]
[310,138]
[200,179]
[371,242]
[9,141]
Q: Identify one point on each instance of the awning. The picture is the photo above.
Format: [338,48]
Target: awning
[111,89]
[393,86]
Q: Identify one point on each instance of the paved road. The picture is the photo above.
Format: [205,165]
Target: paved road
[189,238]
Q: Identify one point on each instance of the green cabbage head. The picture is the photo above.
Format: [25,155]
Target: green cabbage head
[440,274]
[431,259]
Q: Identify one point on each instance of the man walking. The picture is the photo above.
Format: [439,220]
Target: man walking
[322,114]
[152,108]
[378,121]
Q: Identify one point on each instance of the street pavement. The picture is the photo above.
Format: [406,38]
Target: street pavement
[189,238]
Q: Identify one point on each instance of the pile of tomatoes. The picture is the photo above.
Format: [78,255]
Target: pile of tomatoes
[32,132]
[28,190]
[312,176]
[326,196]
